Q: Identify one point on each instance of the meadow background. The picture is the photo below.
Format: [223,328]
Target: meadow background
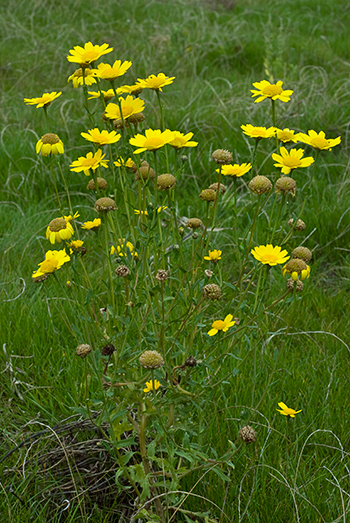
[215,49]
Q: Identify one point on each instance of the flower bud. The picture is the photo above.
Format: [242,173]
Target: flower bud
[285,184]
[303,253]
[136,118]
[101,183]
[260,184]
[151,359]
[194,223]
[298,226]
[145,172]
[208,195]
[162,275]
[214,187]
[211,291]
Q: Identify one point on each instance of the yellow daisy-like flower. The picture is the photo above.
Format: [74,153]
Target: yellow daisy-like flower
[87,54]
[221,325]
[128,163]
[126,250]
[235,170]
[289,160]
[75,245]
[160,209]
[44,100]
[70,218]
[154,139]
[155,82]
[181,140]
[265,90]
[53,261]
[112,72]
[286,135]
[82,77]
[129,106]
[101,137]
[152,385]
[107,95]
[135,89]
[269,255]
[286,411]
[90,161]
[297,269]
[258,132]
[92,225]
[50,143]
[59,229]
[214,256]
[318,141]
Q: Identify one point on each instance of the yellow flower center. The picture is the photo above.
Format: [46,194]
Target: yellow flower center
[219,325]
[319,142]
[291,161]
[49,266]
[154,142]
[258,132]
[89,56]
[285,136]
[271,258]
[88,162]
[50,138]
[272,90]
[57,224]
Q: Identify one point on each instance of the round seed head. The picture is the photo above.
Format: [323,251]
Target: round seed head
[298,226]
[83,350]
[151,359]
[208,195]
[136,118]
[122,271]
[222,157]
[105,204]
[162,275]
[101,183]
[291,284]
[247,434]
[208,273]
[108,349]
[303,253]
[50,138]
[145,172]
[194,223]
[285,184]
[211,291]
[260,184]
[214,187]
[165,182]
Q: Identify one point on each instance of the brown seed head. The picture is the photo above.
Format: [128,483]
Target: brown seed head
[222,157]
[105,204]
[194,223]
[303,253]
[260,184]
[208,195]
[165,181]
[136,118]
[151,359]
[285,184]
[50,138]
[298,285]
[122,271]
[162,275]
[108,349]
[101,183]
[145,172]
[214,187]
[57,224]
[211,291]
[83,350]
[299,225]
[247,434]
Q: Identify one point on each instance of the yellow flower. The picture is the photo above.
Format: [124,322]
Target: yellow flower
[78,79]
[107,95]
[153,140]
[126,250]
[292,159]
[214,256]
[160,209]
[181,140]
[92,225]
[129,106]
[235,170]
[44,100]
[155,82]
[150,387]
[112,72]
[269,255]
[220,325]
[50,143]
[128,163]
[101,137]
[59,229]
[75,245]
[87,54]
[258,132]
[286,411]
[318,141]
[53,261]
[274,91]
[286,135]
[296,268]
[69,218]
[90,161]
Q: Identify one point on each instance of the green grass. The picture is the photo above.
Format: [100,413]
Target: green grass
[215,53]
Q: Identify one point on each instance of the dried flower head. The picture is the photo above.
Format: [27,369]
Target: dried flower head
[247,434]
[208,195]
[83,350]
[303,253]
[108,349]
[214,187]
[165,182]
[260,184]
[101,183]
[297,269]
[194,223]
[222,157]
[298,226]
[105,204]
[208,273]
[285,185]
[162,275]
[151,359]
[145,172]
[211,291]
[297,284]
[122,271]
[136,118]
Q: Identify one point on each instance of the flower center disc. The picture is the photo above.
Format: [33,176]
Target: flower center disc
[49,265]
[272,90]
[57,224]
[153,143]
[319,142]
[291,161]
